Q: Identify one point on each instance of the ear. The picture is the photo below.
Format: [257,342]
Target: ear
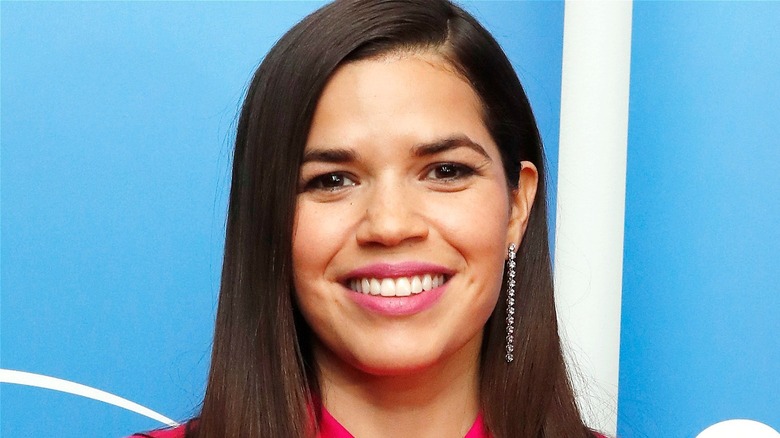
[522,199]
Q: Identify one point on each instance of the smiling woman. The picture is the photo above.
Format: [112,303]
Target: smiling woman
[386,267]
[397,267]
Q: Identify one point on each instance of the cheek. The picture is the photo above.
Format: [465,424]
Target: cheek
[308,264]
[309,256]
[317,236]
[477,224]
[476,227]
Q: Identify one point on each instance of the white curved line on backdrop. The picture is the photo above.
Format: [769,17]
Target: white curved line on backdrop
[739,428]
[53,383]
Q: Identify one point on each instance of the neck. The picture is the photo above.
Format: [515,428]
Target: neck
[441,400]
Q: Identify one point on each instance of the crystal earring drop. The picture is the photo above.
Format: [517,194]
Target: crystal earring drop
[510,304]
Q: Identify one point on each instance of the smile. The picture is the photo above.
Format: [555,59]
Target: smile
[397,287]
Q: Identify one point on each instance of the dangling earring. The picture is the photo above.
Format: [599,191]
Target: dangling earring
[510,304]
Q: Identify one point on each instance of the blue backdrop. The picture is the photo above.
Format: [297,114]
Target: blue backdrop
[117,123]
[701,284]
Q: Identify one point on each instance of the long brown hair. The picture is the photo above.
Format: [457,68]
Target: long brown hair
[261,382]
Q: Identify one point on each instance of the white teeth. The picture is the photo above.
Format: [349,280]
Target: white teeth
[388,287]
[427,283]
[376,287]
[416,285]
[396,287]
[403,288]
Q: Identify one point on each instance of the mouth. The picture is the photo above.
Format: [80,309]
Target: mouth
[397,286]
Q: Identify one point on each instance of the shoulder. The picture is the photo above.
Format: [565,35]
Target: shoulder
[176,432]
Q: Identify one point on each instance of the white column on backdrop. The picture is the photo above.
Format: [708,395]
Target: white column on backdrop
[591,199]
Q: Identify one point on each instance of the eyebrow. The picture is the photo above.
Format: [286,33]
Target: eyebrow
[447,144]
[341,155]
[330,155]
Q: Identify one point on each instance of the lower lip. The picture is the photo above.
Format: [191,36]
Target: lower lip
[398,306]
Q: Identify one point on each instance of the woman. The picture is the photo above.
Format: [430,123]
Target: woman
[387,270]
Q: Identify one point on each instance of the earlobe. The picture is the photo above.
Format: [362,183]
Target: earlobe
[522,200]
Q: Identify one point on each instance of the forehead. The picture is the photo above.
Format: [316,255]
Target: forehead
[414,97]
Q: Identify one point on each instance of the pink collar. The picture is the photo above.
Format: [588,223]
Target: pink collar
[331,428]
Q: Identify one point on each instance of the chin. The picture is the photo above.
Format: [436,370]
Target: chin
[403,360]
[395,366]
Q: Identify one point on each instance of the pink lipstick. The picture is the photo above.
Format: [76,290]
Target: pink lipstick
[397,289]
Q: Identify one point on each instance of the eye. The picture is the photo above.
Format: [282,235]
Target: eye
[449,172]
[329,182]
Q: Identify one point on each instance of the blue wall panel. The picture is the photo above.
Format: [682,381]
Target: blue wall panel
[701,294]
[117,121]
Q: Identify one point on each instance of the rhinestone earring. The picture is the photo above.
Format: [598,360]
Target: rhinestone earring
[510,304]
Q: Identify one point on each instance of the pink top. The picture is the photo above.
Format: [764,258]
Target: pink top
[329,428]
[176,432]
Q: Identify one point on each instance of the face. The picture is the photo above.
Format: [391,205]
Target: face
[403,217]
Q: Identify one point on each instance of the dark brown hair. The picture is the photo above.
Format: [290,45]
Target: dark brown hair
[261,382]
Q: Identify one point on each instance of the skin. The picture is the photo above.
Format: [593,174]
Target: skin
[367,197]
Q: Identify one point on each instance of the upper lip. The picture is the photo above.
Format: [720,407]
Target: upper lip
[395,270]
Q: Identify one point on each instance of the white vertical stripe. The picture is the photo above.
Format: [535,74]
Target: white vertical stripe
[591,199]
[53,383]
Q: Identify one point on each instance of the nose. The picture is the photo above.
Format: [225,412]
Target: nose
[393,216]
